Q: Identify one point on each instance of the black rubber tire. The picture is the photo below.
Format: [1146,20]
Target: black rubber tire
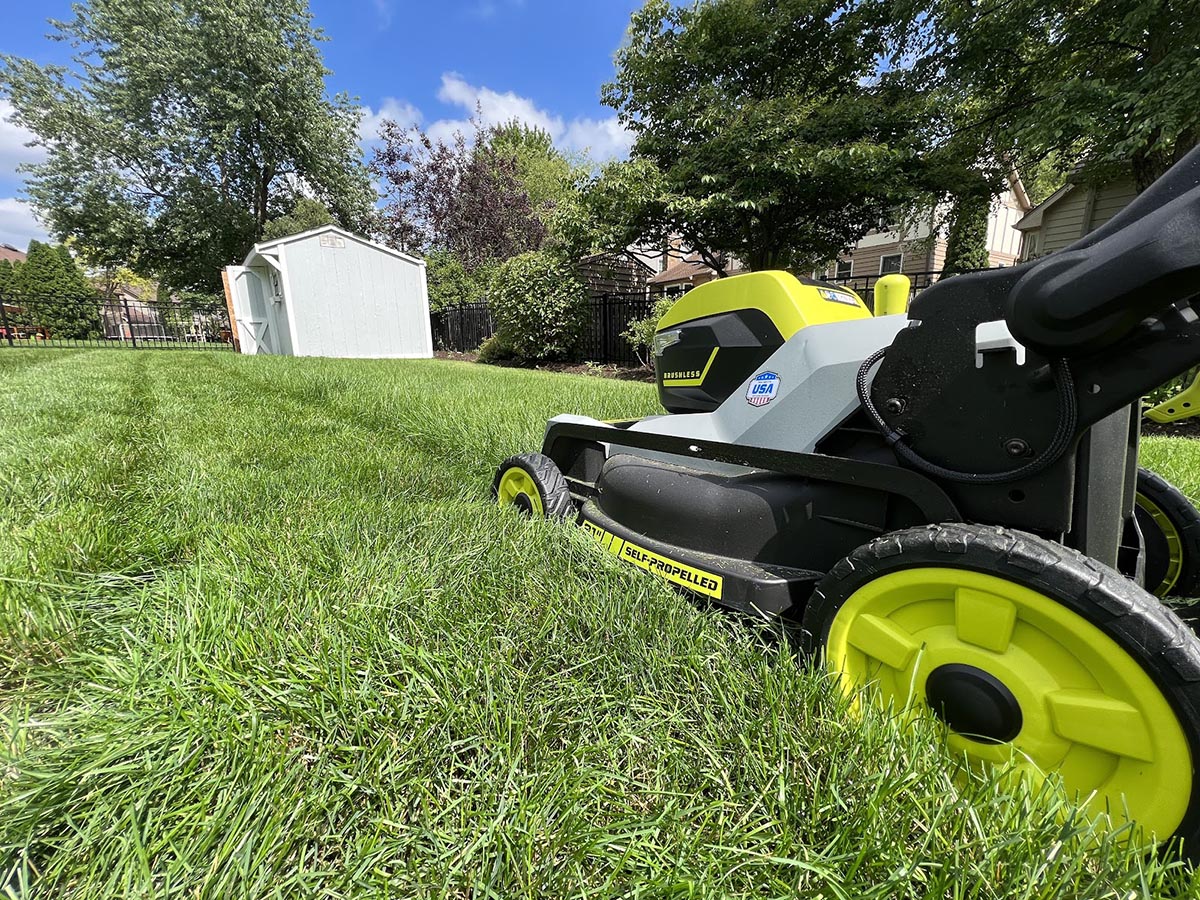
[555,496]
[1185,519]
[1164,646]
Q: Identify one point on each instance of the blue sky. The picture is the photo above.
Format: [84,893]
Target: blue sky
[421,62]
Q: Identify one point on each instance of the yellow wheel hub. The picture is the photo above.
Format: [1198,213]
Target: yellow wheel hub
[1174,545]
[1085,708]
[517,488]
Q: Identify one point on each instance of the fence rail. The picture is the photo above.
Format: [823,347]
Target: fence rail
[35,320]
[463,328]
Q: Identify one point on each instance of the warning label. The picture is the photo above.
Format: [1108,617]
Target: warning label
[693,579]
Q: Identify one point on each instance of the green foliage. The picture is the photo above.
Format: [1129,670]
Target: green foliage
[305,215]
[8,275]
[640,333]
[180,126]
[1108,84]
[548,176]
[55,295]
[494,351]
[451,283]
[763,129]
[966,245]
[538,304]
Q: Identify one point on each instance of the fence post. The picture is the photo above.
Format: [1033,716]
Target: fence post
[129,322]
[4,322]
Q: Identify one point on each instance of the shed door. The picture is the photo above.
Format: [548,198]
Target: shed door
[253,310]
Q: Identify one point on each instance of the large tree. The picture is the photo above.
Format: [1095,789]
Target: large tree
[179,128]
[463,196]
[1111,84]
[764,128]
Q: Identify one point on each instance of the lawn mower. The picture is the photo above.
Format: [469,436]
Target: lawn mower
[944,505]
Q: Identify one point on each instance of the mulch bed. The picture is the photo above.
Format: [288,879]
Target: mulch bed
[1189,428]
[620,373]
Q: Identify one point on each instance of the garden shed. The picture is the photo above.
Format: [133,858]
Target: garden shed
[328,292]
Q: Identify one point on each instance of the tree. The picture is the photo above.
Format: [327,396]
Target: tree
[548,176]
[763,128]
[1108,84]
[54,294]
[305,215]
[464,198]
[179,127]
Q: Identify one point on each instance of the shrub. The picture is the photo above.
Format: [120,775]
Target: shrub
[495,352]
[451,283]
[538,304]
[640,333]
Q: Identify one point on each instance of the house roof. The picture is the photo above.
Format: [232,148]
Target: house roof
[1033,218]
[620,254]
[682,271]
[266,246]
[11,253]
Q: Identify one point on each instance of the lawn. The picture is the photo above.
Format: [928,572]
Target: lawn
[262,634]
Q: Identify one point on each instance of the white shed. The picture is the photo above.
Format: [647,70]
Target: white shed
[328,292]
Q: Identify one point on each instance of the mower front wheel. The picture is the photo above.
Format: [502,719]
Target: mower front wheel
[1170,528]
[534,485]
[1029,653]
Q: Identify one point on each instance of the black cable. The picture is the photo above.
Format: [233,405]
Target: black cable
[1068,419]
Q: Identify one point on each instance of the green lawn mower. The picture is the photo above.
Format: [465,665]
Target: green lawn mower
[946,504]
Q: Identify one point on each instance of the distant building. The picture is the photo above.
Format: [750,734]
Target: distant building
[919,249]
[614,273]
[1071,212]
[689,272]
[11,254]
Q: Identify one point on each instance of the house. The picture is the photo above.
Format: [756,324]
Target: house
[689,272]
[1074,210]
[328,292]
[918,249]
[9,253]
[623,272]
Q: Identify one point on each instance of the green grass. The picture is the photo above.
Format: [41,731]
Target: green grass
[262,634]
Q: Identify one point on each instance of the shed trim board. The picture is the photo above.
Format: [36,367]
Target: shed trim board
[342,232]
[285,285]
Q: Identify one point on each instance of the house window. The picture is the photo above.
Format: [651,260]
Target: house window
[891,263]
[845,268]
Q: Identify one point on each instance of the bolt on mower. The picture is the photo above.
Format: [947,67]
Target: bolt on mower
[945,505]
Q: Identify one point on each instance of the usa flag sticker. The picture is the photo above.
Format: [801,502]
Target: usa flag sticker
[763,388]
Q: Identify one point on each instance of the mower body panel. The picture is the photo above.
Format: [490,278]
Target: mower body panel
[715,336]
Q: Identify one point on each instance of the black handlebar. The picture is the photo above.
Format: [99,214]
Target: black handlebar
[1088,296]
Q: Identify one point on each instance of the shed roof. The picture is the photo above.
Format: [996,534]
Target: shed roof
[684,270]
[263,247]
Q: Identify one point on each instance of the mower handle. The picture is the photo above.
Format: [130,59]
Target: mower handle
[1091,294]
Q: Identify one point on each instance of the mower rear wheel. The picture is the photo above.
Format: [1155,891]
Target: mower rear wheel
[534,485]
[1030,653]
[1170,528]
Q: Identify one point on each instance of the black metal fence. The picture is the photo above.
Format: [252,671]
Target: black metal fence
[30,320]
[864,285]
[463,328]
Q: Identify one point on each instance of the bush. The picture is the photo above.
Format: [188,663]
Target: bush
[538,305]
[495,352]
[451,283]
[640,333]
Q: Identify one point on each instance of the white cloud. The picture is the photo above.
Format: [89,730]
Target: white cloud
[404,114]
[603,138]
[486,10]
[18,225]
[13,139]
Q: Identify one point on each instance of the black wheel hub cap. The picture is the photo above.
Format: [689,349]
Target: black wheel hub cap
[523,504]
[973,703]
